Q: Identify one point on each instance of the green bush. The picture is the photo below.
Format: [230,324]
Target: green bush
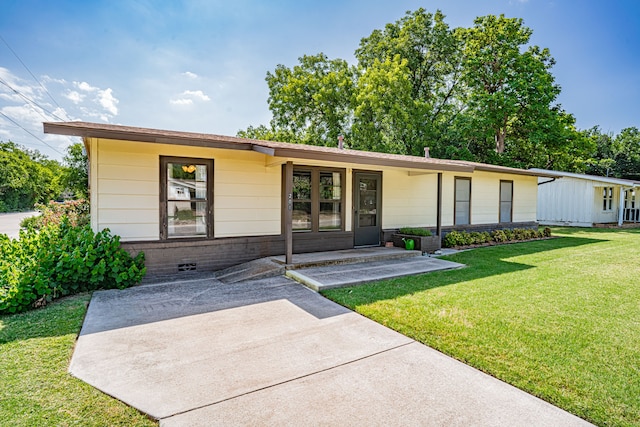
[415,231]
[465,238]
[60,260]
[498,236]
[76,211]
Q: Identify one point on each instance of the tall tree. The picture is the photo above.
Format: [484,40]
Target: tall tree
[627,155]
[601,160]
[407,94]
[311,102]
[26,178]
[507,87]
[76,177]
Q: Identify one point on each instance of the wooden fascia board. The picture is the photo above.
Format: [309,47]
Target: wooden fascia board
[365,160]
[264,150]
[60,129]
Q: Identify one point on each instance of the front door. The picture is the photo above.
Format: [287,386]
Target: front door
[367,187]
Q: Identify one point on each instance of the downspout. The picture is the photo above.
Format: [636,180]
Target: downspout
[547,182]
[439,207]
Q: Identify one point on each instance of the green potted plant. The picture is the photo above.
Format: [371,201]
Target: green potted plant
[423,239]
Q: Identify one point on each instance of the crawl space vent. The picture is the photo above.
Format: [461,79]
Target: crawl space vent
[189,266]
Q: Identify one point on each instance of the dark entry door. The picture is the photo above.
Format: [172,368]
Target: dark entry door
[367,188]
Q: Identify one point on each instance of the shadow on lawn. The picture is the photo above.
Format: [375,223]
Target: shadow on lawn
[62,317]
[481,263]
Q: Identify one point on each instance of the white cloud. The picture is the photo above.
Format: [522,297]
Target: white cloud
[196,94]
[190,75]
[85,86]
[108,101]
[181,101]
[74,96]
[189,96]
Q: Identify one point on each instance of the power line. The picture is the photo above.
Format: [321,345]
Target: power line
[29,132]
[32,75]
[31,102]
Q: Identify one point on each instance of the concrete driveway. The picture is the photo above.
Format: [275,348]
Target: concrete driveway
[272,352]
[10,222]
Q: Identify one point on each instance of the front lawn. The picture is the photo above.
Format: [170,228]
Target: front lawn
[35,388]
[557,318]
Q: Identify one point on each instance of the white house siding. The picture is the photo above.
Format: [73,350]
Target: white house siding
[600,215]
[125,189]
[485,197]
[525,201]
[566,201]
[409,199]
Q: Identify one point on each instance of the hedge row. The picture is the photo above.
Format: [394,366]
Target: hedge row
[59,260]
[464,238]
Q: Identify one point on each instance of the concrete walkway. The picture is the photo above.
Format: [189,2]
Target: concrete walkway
[272,352]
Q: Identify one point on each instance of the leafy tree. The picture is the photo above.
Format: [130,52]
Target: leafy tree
[479,94]
[312,101]
[601,160]
[26,178]
[407,93]
[507,88]
[76,177]
[627,154]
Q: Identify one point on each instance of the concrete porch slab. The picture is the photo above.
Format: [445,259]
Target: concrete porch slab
[335,276]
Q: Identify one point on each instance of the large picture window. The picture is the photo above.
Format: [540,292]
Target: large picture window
[318,199]
[462,207]
[186,197]
[506,201]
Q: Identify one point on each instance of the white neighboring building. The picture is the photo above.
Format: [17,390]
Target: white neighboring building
[578,200]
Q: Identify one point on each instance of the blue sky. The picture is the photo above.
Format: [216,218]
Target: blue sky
[200,65]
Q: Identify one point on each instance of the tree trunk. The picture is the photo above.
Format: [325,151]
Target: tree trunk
[500,137]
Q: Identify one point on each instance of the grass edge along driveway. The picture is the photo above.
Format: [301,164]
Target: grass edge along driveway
[35,388]
[557,318]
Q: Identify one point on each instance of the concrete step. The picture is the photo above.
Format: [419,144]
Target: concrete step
[345,256]
[335,276]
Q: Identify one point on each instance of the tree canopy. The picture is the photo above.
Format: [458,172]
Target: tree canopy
[27,177]
[482,93]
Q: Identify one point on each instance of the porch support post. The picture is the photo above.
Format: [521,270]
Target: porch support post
[439,208]
[288,213]
[621,207]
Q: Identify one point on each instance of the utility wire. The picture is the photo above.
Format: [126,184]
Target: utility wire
[30,133]
[32,75]
[31,102]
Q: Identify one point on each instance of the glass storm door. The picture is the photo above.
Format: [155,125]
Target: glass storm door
[367,203]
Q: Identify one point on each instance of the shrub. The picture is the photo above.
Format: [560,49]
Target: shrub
[464,238]
[454,238]
[59,260]
[415,231]
[499,236]
[76,211]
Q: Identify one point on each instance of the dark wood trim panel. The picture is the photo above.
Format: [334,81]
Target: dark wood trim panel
[288,211]
[439,206]
[315,197]
[500,200]
[162,203]
[455,200]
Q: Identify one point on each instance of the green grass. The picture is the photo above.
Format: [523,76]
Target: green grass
[35,388]
[557,318]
